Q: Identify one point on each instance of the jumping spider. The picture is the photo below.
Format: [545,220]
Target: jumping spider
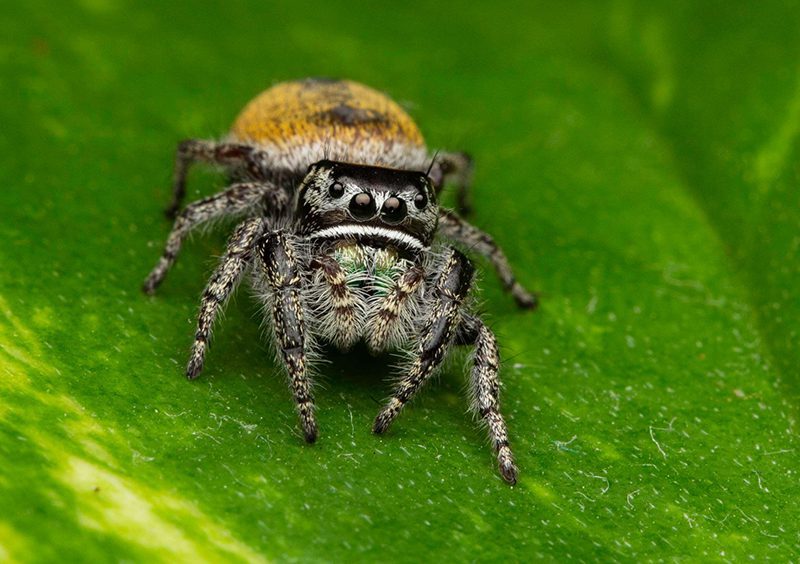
[343,238]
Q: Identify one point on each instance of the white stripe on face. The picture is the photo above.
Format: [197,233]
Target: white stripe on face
[373,231]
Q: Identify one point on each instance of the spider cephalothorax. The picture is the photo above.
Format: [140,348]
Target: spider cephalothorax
[343,237]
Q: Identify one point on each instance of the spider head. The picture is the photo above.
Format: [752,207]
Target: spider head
[370,204]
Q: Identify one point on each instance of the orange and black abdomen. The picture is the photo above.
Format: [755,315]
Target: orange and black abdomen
[303,112]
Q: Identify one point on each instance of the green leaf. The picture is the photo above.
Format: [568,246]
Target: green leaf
[639,164]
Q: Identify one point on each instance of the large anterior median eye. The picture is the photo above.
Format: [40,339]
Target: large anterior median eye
[394,210]
[362,206]
[336,190]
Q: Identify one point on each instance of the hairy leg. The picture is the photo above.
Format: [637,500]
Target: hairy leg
[485,389]
[236,199]
[451,288]
[393,307]
[456,168]
[231,155]
[282,273]
[238,255]
[343,325]
[458,230]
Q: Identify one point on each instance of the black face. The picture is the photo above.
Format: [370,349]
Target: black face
[367,202]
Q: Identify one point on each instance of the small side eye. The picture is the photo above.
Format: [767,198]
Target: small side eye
[336,190]
[420,201]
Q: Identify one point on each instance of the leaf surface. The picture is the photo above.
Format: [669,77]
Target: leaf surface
[638,164]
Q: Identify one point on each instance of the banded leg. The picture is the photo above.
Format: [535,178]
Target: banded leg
[456,167]
[485,390]
[456,229]
[343,325]
[226,277]
[283,275]
[393,307]
[451,289]
[236,199]
[232,155]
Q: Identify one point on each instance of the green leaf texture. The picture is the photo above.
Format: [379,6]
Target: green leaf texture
[639,162]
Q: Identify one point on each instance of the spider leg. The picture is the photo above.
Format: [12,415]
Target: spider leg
[342,305]
[231,155]
[282,273]
[236,199]
[485,389]
[393,306]
[456,229]
[224,280]
[456,168]
[451,288]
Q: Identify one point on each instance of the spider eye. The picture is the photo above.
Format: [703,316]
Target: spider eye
[394,210]
[420,201]
[362,206]
[336,190]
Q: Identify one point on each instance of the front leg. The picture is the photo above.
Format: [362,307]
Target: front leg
[282,272]
[485,390]
[451,288]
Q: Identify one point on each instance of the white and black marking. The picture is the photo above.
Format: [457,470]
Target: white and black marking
[370,233]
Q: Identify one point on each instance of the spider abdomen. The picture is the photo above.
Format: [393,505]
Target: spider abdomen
[303,121]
